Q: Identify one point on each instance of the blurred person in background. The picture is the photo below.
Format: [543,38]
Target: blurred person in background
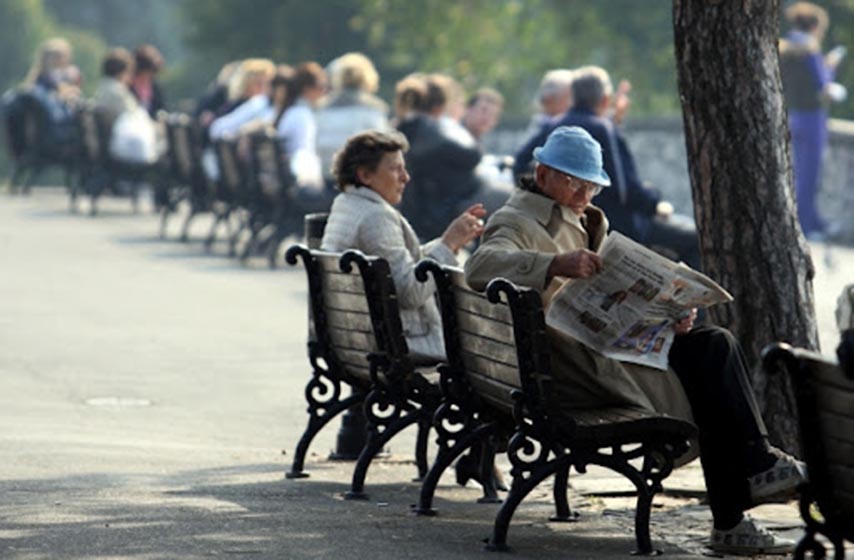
[113,96]
[216,96]
[350,107]
[482,112]
[554,98]
[808,88]
[634,208]
[148,63]
[297,129]
[252,87]
[134,138]
[52,82]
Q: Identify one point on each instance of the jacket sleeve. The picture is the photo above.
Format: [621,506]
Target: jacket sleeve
[503,253]
[382,235]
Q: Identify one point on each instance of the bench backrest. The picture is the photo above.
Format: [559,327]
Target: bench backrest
[230,167]
[355,313]
[496,338]
[270,165]
[825,399]
[183,150]
[90,140]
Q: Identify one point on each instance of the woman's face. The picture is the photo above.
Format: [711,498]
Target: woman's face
[389,178]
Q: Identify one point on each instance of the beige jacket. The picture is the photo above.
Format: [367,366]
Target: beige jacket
[361,219]
[519,243]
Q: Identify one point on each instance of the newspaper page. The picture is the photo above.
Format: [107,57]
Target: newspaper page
[627,311]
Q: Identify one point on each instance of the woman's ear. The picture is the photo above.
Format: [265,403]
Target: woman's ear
[364,175]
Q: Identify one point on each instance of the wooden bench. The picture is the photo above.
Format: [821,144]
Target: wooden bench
[499,374]
[100,171]
[231,193]
[272,210]
[358,342]
[824,392]
[191,185]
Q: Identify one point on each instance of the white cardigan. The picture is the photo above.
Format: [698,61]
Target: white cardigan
[361,219]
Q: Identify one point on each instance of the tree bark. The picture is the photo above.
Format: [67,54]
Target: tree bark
[737,142]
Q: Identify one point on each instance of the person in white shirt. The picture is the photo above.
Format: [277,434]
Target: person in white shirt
[298,128]
[254,76]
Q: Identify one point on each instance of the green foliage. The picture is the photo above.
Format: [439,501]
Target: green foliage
[23,25]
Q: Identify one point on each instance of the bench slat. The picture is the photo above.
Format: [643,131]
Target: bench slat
[483,326]
[478,304]
[352,340]
[329,263]
[349,320]
[345,302]
[487,348]
[348,283]
[491,369]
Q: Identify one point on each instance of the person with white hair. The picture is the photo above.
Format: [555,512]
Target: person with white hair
[351,106]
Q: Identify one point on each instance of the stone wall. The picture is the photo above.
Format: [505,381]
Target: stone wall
[659,149]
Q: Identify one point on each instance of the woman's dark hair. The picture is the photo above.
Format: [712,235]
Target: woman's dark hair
[306,75]
[148,59]
[283,78]
[365,150]
[116,62]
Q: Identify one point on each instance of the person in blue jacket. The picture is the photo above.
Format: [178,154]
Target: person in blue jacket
[633,208]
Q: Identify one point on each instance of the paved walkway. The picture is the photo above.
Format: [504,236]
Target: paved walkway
[150,396]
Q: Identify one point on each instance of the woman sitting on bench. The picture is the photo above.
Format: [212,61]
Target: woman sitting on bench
[371,173]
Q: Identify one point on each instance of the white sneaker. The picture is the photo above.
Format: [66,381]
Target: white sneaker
[749,538]
[780,482]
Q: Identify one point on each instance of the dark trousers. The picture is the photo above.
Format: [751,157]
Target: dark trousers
[733,440]
[676,235]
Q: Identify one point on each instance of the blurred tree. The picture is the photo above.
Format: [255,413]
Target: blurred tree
[729,81]
[23,25]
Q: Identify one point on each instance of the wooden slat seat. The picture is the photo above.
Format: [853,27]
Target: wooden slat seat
[497,385]
[359,342]
[824,392]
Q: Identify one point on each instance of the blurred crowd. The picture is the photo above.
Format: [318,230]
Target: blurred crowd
[312,109]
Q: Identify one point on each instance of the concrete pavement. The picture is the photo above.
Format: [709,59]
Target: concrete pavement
[150,396]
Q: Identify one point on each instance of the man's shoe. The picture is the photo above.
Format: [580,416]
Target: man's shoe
[749,538]
[780,482]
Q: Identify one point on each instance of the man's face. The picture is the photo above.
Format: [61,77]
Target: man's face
[482,117]
[566,190]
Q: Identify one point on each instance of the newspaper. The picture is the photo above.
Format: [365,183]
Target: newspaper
[627,311]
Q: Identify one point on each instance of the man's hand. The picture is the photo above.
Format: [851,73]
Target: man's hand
[664,209]
[576,264]
[686,323]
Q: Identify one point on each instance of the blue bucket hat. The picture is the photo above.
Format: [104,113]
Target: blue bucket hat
[571,150]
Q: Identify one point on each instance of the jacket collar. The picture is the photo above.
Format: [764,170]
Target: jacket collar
[541,208]
[535,205]
[366,193]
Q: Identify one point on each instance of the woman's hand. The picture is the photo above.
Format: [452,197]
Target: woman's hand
[465,228]
[686,323]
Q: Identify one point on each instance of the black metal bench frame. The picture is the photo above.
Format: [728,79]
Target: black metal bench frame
[538,448]
[813,378]
[189,183]
[394,396]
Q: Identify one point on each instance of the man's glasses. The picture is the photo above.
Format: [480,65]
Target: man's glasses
[575,184]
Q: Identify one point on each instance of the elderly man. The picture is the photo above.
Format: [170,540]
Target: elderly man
[549,232]
[633,208]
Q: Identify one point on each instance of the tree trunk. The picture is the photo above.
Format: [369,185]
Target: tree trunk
[741,178]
